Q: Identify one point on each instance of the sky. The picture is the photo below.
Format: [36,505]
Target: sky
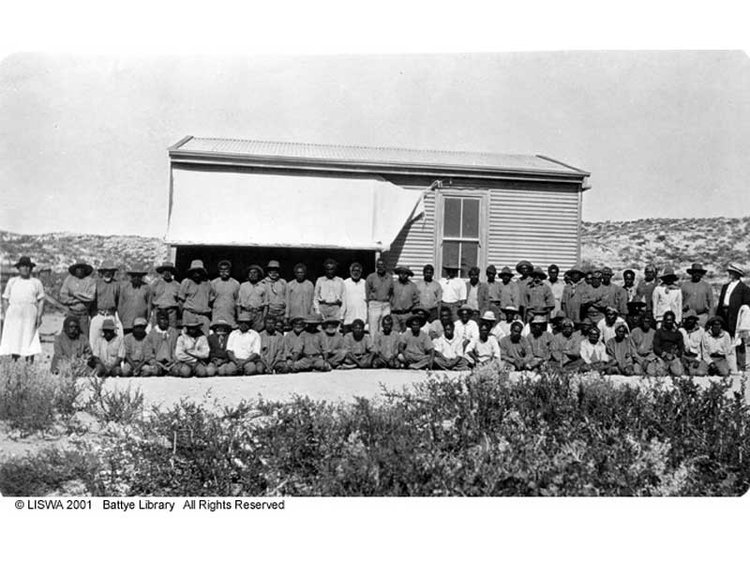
[84,137]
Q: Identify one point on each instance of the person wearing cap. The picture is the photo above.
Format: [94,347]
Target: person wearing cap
[253,298]
[355,297]
[614,295]
[385,346]
[164,292]
[196,296]
[669,346]
[642,344]
[192,350]
[454,290]
[449,350]
[644,291]
[219,362]
[332,342]
[226,291]
[329,291]
[594,352]
[161,342]
[292,348]
[537,298]
[571,297]
[484,350]
[620,352]
[276,290]
[525,269]
[465,327]
[272,358]
[515,349]
[477,294]
[697,294]
[378,290]
[509,291]
[733,296]
[359,348]
[23,301]
[78,292]
[310,355]
[692,335]
[299,295]
[718,352]
[106,300]
[135,362]
[243,347]
[109,351]
[628,285]
[667,296]
[135,299]
[540,342]
[608,325]
[405,297]
[556,285]
[430,292]
[416,350]
[70,345]
[565,348]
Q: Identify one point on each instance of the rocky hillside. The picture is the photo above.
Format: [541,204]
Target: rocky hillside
[714,241]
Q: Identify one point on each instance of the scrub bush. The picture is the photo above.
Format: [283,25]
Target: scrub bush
[122,406]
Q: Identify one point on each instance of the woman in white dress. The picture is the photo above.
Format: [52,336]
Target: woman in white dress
[23,301]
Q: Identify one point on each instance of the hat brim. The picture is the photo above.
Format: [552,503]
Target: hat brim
[137,272]
[668,277]
[736,271]
[162,269]
[19,264]
[260,270]
[406,271]
[191,324]
[86,267]
[696,271]
[201,269]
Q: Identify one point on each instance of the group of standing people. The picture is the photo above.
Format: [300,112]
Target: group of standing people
[267,324]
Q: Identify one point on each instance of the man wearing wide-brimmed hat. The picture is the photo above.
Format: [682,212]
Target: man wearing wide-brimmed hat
[667,296]
[78,292]
[196,296]
[509,290]
[164,291]
[537,298]
[105,302]
[135,298]
[525,269]
[697,294]
[253,297]
[227,291]
[571,298]
[733,296]
[192,350]
[405,297]
[23,301]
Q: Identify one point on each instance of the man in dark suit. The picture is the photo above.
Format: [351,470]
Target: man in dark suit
[734,295]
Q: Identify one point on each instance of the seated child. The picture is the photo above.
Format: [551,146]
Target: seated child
[359,347]
[243,346]
[191,351]
[220,362]
[416,350]
[449,350]
[109,351]
[272,359]
[161,343]
[136,361]
[385,345]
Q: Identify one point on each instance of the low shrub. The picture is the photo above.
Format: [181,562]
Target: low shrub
[48,472]
[123,406]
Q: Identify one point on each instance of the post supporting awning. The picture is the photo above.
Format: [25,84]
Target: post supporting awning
[210,207]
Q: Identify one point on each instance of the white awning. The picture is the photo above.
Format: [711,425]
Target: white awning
[258,209]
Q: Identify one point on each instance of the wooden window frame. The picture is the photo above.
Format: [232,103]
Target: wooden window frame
[484,205]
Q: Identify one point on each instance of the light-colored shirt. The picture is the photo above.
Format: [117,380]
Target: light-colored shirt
[667,298]
[299,298]
[449,348]
[485,351]
[693,340]
[379,288]
[78,293]
[730,288]
[243,344]
[405,296]
[468,331]
[608,331]
[186,343]
[557,291]
[134,302]
[454,290]
[698,296]
[164,294]
[225,303]
[252,295]
[386,344]
[276,292]
[109,352]
[591,353]
[355,304]
[472,296]
[430,294]
[716,345]
[328,291]
[196,297]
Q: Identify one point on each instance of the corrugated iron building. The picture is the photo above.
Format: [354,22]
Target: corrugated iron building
[251,201]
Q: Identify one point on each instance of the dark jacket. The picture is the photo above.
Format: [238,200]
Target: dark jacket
[740,296]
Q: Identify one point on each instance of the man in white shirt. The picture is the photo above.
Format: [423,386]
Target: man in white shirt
[449,351]
[454,290]
[355,301]
[556,285]
[692,335]
[243,346]
[667,297]
[734,295]
[192,350]
[464,327]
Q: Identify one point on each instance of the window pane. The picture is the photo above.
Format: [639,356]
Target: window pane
[470,222]
[452,217]
[469,255]
[450,254]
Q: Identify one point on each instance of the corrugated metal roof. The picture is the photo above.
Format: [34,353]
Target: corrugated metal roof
[372,155]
